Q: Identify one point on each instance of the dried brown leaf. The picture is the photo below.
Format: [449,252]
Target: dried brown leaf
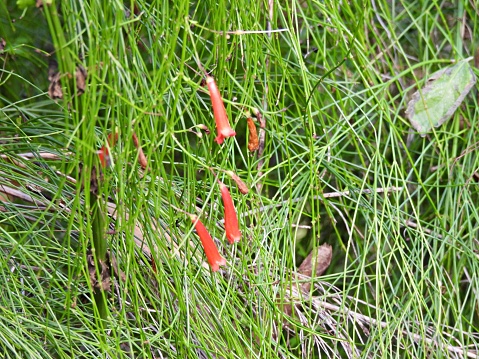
[55,87]
[322,256]
[80,75]
[316,262]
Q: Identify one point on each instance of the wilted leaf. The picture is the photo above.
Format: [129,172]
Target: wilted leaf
[243,188]
[442,95]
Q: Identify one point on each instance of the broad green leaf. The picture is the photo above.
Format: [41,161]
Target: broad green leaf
[443,94]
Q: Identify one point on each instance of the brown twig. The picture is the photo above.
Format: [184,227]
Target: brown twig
[44,155]
[20,195]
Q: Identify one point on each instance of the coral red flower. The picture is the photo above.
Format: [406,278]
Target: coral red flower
[104,156]
[212,255]
[253,141]
[233,233]
[104,153]
[222,124]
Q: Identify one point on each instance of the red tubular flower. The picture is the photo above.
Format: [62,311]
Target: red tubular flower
[104,156]
[222,124]
[212,255]
[233,233]
[104,153]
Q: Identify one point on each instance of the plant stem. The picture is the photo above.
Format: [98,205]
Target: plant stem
[99,251]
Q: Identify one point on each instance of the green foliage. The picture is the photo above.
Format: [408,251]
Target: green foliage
[23,4]
[440,98]
[332,83]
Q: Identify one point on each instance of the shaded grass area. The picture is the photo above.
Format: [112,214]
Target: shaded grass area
[332,86]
